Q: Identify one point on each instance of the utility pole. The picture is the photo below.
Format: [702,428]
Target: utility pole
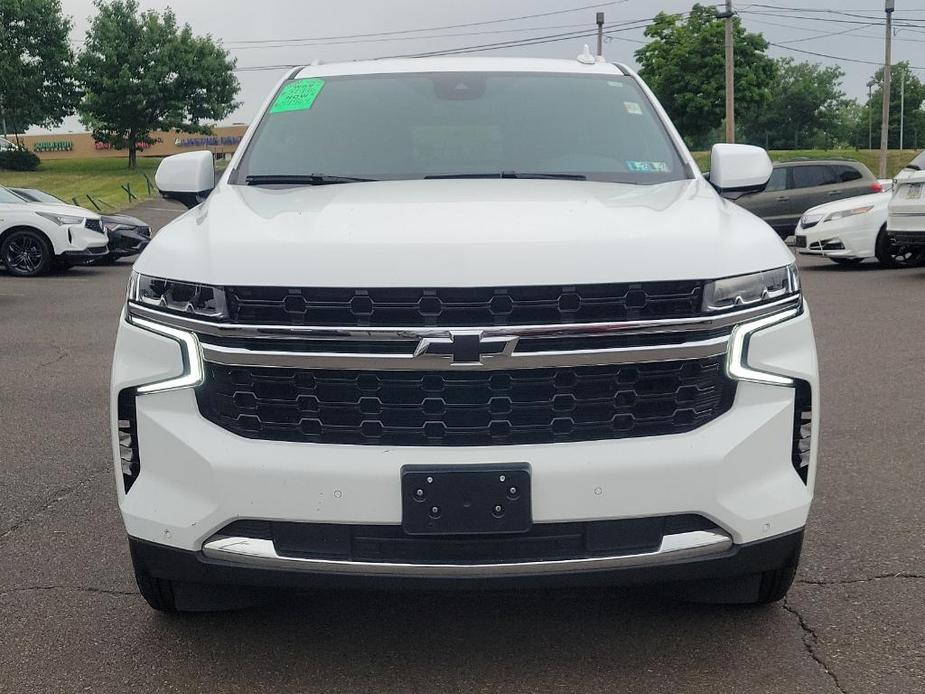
[902,108]
[889,6]
[600,34]
[730,73]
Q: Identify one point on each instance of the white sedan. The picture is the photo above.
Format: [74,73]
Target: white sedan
[36,237]
[848,231]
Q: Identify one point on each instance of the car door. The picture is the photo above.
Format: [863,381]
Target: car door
[811,185]
[852,181]
[768,203]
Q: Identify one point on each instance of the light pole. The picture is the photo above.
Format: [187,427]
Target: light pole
[902,108]
[870,111]
[730,73]
[889,6]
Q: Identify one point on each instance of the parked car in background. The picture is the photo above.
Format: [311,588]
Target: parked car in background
[848,231]
[128,236]
[430,329]
[36,237]
[796,186]
[6,145]
[906,220]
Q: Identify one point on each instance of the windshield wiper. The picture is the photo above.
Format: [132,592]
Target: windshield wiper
[514,174]
[301,179]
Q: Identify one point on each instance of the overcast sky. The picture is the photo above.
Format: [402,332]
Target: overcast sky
[240,23]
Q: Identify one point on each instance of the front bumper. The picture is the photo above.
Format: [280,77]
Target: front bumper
[196,477]
[853,237]
[84,257]
[124,243]
[163,561]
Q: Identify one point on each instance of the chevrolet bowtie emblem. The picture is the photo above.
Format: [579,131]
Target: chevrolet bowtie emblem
[466,348]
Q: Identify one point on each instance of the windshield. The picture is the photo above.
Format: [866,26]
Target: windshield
[7,195]
[412,126]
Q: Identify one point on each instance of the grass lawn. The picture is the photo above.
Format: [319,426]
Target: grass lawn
[76,178]
[896,158]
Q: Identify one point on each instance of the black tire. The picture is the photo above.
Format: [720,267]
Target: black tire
[26,253]
[892,255]
[752,589]
[847,261]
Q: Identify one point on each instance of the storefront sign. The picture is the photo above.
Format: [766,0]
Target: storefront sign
[53,146]
[208,141]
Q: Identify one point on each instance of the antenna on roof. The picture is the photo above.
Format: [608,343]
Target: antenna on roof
[586,58]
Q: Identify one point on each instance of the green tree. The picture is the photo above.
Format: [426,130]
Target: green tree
[805,108]
[684,64]
[142,72]
[914,99]
[36,64]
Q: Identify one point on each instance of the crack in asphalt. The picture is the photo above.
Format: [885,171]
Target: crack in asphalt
[62,354]
[59,495]
[850,581]
[810,642]
[79,589]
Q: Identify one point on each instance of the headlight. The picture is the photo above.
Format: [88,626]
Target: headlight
[61,219]
[810,220]
[201,300]
[748,290]
[848,213]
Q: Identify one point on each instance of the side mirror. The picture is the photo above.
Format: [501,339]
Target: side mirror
[739,169]
[187,178]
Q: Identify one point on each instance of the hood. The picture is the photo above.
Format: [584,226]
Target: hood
[496,232]
[876,199]
[55,208]
[123,219]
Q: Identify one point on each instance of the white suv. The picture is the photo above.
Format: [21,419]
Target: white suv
[36,237]
[475,321]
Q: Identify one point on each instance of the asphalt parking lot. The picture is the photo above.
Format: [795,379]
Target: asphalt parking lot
[71,618]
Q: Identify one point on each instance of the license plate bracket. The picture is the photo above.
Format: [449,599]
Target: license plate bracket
[469,499]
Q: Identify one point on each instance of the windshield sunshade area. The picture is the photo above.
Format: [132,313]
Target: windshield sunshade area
[461,124]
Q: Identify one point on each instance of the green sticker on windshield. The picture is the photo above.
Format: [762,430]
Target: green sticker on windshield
[297,96]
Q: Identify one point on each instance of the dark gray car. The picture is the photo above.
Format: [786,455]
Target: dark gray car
[795,186]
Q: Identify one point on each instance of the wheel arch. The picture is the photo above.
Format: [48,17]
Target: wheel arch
[26,227]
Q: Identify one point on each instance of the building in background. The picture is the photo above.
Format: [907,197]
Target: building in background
[223,141]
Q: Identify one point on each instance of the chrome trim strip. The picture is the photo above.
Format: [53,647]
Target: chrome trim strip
[262,554]
[234,356]
[240,330]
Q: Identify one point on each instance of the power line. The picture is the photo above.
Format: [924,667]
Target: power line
[409,38]
[438,28]
[837,57]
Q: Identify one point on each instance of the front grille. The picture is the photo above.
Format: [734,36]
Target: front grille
[466,408]
[94,225]
[800,241]
[465,307]
[544,542]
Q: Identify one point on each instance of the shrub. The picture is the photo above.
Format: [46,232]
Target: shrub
[19,160]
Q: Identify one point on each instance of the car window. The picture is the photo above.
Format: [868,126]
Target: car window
[411,126]
[812,176]
[778,180]
[846,174]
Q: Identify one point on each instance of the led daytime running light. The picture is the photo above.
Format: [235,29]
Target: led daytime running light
[192,375]
[737,358]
